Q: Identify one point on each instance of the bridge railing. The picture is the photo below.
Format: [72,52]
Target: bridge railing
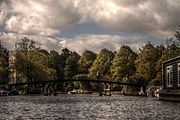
[82,80]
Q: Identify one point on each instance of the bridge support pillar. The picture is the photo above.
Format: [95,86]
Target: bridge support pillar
[100,92]
[45,90]
[55,90]
[100,89]
[109,87]
[49,91]
[25,89]
[106,90]
[143,90]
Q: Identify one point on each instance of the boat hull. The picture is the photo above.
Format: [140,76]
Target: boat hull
[169,96]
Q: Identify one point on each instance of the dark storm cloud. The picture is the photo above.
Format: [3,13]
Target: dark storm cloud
[150,17]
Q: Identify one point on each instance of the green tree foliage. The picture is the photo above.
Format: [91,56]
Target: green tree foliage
[86,61]
[160,49]
[30,63]
[171,51]
[25,45]
[102,64]
[22,59]
[54,62]
[65,53]
[70,70]
[71,65]
[123,63]
[39,69]
[4,70]
[146,63]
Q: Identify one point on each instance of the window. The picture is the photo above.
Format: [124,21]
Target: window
[169,76]
[178,74]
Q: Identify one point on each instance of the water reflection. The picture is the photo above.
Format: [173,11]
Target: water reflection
[86,107]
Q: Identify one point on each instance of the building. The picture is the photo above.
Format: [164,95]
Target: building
[171,80]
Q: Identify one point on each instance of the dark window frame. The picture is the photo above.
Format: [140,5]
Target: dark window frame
[169,76]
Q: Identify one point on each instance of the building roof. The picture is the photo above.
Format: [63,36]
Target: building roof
[173,59]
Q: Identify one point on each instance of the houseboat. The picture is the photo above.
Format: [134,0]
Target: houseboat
[171,80]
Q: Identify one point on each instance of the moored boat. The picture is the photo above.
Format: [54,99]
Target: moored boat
[169,95]
[4,93]
[79,92]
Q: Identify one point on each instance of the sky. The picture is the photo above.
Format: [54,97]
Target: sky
[88,24]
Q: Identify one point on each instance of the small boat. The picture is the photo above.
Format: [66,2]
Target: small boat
[4,93]
[79,92]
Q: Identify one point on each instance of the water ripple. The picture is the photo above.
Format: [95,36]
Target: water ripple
[86,107]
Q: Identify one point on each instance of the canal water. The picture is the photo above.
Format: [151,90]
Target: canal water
[87,107]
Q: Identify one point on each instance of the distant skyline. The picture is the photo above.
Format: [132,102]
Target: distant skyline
[87,24]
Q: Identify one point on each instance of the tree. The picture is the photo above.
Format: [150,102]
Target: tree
[65,53]
[102,64]
[54,62]
[39,69]
[22,58]
[123,63]
[160,49]
[146,63]
[86,61]
[25,45]
[170,52]
[30,63]
[71,66]
[4,71]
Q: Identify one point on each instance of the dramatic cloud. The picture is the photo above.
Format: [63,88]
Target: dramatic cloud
[149,17]
[49,17]
[2,17]
[97,42]
[79,43]
[10,39]
[44,19]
